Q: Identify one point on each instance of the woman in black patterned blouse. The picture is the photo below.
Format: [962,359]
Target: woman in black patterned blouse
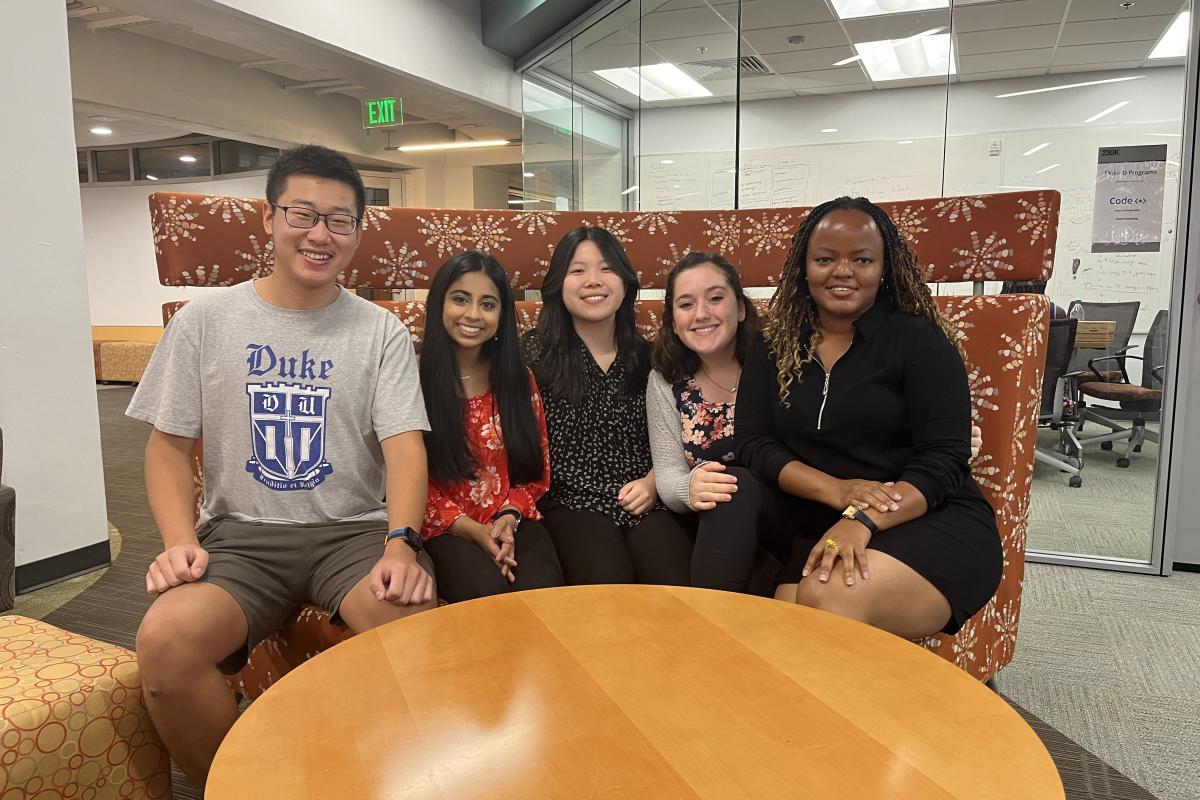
[602,509]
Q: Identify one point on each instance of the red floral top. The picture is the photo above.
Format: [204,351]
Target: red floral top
[490,490]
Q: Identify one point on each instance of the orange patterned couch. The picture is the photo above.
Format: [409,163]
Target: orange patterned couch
[219,241]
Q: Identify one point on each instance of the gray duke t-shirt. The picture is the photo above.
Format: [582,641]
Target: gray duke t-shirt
[291,405]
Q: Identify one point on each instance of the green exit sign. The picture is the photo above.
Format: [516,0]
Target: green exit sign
[384,112]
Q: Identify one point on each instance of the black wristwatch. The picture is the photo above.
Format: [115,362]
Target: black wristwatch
[858,515]
[410,537]
[512,512]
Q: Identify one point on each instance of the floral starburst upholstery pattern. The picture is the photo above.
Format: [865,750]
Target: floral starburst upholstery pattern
[1007,236]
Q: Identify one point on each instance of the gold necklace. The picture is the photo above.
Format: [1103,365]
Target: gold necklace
[719,386]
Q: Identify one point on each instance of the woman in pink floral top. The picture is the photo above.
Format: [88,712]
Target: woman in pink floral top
[488,451]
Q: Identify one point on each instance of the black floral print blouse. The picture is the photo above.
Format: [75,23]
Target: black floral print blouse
[707,427]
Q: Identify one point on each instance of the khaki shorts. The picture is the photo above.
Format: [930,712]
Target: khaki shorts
[270,569]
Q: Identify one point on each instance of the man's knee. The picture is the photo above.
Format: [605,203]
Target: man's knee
[182,634]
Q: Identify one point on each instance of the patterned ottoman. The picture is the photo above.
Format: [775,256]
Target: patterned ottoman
[123,361]
[72,723]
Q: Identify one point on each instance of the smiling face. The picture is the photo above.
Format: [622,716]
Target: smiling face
[705,312]
[844,264]
[471,311]
[311,258]
[592,290]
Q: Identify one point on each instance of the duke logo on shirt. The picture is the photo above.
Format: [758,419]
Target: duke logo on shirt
[287,424]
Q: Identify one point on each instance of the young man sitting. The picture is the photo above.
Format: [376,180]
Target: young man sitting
[309,402]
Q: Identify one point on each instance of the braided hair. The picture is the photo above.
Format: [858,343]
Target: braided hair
[793,309]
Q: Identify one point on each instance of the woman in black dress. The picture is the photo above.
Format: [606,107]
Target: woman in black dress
[855,410]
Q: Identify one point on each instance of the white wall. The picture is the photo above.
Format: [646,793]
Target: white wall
[439,41]
[47,390]
[122,274]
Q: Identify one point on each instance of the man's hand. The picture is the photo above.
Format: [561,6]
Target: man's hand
[179,564]
[397,578]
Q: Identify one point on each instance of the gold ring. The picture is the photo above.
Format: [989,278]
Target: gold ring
[830,544]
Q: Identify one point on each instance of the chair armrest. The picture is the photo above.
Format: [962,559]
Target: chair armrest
[1157,372]
[1120,359]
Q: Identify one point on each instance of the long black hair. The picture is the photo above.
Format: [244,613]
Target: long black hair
[555,355]
[450,456]
[674,359]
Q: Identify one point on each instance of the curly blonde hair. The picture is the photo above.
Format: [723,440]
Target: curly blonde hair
[793,309]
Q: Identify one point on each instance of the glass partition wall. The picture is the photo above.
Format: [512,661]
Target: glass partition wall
[662,105]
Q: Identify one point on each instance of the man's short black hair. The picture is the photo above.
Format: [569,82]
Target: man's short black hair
[320,162]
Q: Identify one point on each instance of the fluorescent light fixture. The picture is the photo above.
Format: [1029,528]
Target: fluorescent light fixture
[630,190]
[1036,148]
[1173,43]
[522,202]
[904,141]
[921,56]
[1176,135]
[151,177]
[101,130]
[1107,111]
[667,161]
[853,9]
[188,159]
[415,148]
[1007,186]
[527,175]
[829,130]
[654,82]
[1069,86]
[846,61]
[1047,169]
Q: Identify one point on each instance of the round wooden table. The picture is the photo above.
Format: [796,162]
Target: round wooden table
[630,692]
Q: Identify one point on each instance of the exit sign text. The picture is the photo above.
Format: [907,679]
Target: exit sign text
[383,112]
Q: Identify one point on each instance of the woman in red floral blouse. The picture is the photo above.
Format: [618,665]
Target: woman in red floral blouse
[488,452]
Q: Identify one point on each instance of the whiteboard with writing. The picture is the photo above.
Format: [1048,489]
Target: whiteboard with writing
[972,164]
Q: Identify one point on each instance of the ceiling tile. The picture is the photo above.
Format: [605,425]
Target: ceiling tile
[1102,53]
[804,60]
[778,13]
[687,49]
[1002,40]
[775,40]
[994,62]
[987,16]
[1108,30]
[874,29]
[1002,74]
[845,76]
[1111,9]
[690,22]
[1068,69]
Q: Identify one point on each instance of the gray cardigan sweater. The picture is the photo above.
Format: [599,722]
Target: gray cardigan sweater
[672,475]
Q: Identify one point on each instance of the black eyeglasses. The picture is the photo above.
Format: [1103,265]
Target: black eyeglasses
[301,217]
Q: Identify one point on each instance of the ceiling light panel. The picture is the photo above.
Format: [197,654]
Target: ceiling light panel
[855,9]
[1173,43]
[902,59]
[656,82]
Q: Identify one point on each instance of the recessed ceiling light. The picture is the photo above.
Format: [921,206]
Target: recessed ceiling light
[1109,110]
[1062,86]
[187,159]
[151,177]
[852,9]
[829,130]
[527,174]
[1047,169]
[1173,43]
[654,82]
[630,189]
[667,161]
[921,56]
[101,130]
[1036,148]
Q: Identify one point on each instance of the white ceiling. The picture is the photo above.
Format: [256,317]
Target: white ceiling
[992,38]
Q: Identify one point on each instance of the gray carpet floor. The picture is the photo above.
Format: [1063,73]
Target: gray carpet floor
[1110,515]
[1106,668]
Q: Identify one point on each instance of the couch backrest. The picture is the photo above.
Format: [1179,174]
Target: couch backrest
[204,240]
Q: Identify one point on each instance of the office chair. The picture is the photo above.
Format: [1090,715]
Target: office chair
[1124,314]
[1113,385]
[1059,410]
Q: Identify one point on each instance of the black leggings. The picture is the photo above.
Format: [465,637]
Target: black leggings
[464,570]
[594,549]
[741,543]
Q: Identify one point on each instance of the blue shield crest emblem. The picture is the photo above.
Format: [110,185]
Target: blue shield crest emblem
[287,423]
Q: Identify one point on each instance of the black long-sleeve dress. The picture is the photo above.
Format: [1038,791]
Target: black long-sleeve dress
[895,407]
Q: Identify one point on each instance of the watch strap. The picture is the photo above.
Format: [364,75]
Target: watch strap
[858,515]
[411,537]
